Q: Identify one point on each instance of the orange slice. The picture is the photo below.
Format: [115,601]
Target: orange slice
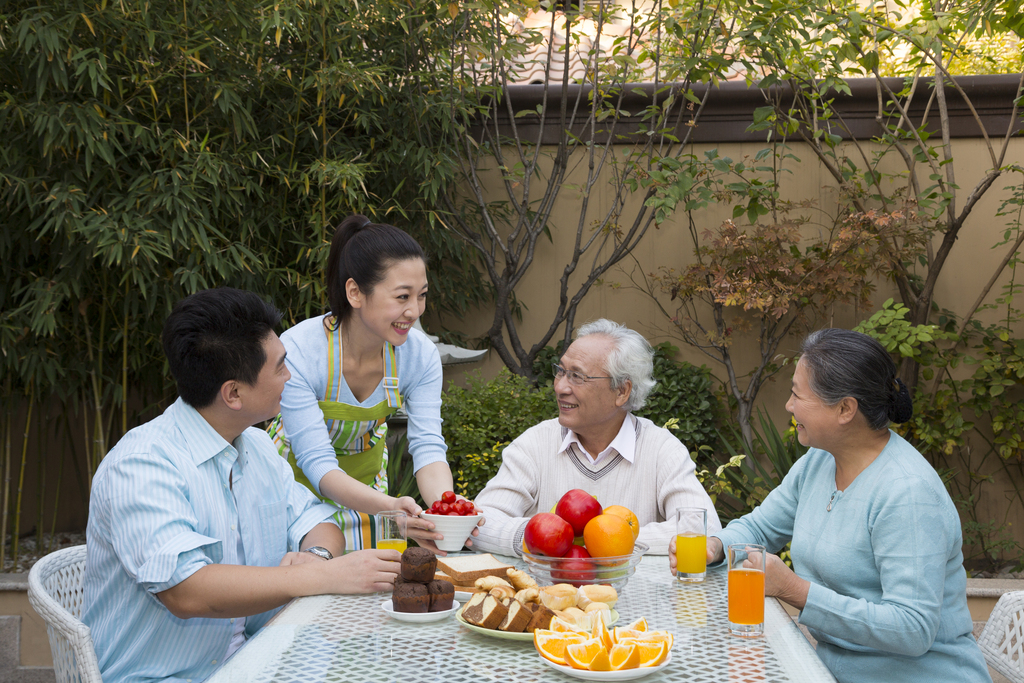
[563,626]
[658,636]
[580,655]
[621,633]
[624,657]
[652,654]
[551,644]
[601,632]
[638,625]
[601,662]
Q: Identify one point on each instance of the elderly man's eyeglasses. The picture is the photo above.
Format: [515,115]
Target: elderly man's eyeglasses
[575,378]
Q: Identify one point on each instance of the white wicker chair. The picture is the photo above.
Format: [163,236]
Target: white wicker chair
[1002,640]
[55,591]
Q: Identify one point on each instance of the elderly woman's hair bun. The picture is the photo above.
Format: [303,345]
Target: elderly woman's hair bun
[902,407]
[842,363]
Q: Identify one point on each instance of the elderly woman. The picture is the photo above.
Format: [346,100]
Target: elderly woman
[597,444]
[876,541]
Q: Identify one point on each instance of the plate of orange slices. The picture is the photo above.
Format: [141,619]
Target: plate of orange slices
[619,654]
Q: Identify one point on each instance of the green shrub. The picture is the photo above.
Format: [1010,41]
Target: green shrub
[685,393]
[480,419]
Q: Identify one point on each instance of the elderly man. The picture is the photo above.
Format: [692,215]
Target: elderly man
[596,444]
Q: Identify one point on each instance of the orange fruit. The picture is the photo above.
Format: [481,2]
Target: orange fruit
[652,654]
[601,632]
[608,536]
[626,514]
[601,662]
[648,637]
[621,635]
[624,657]
[580,655]
[551,644]
[638,625]
[563,626]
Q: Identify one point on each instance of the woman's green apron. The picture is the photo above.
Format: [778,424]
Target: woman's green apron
[358,435]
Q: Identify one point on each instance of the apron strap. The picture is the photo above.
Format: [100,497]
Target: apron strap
[391,376]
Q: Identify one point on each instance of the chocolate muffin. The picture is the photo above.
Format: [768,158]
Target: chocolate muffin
[442,595]
[410,597]
[418,564]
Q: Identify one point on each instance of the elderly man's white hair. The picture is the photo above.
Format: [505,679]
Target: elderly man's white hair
[632,358]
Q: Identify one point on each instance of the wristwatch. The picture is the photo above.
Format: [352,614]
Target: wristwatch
[320,552]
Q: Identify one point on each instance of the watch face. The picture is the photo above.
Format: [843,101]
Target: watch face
[320,552]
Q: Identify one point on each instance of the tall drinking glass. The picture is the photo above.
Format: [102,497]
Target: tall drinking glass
[691,544]
[391,526]
[746,589]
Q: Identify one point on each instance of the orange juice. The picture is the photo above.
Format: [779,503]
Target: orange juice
[399,544]
[691,554]
[746,596]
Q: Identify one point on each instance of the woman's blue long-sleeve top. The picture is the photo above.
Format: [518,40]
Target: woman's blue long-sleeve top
[888,594]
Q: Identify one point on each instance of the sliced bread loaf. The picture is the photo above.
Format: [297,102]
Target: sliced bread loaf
[464,570]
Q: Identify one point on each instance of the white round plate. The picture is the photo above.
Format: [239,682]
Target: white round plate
[418,617]
[505,635]
[624,675]
[463,596]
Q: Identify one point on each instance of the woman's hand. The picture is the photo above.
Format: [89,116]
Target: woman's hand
[780,581]
[417,527]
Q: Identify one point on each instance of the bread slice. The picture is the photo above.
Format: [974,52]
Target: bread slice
[473,611]
[490,615]
[464,570]
[542,617]
[469,588]
[518,617]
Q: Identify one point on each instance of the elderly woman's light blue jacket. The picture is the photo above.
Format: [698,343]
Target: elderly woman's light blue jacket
[888,595]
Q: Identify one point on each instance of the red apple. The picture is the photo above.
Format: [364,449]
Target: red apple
[576,572]
[548,534]
[577,551]
[577,507]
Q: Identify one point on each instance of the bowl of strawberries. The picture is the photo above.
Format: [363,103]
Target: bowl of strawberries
[453,517]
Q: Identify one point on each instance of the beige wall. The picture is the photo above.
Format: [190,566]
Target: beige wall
[972,262]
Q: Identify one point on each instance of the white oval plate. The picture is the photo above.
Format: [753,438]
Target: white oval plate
[505,635]
[418,617]
[624,675]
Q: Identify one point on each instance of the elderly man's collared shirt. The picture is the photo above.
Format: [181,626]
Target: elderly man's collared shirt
[623,444]
[163,506]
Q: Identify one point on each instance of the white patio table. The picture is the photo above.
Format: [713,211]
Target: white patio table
[349,639]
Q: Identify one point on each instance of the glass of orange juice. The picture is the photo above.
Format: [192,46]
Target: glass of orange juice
[391,530]
[746,589]
[691,544]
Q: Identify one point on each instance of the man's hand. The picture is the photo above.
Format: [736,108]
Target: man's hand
[714,552]
[299,558]
[363,571]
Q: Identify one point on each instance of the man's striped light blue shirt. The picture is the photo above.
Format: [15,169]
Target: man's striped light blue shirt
[162,508]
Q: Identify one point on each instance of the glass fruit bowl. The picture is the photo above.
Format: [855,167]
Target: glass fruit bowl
[580,571]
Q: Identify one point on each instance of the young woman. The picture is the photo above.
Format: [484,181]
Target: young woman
[876,542]
[355,366]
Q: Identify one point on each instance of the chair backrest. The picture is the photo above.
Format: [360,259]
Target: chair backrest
[1002,640]
[55,591]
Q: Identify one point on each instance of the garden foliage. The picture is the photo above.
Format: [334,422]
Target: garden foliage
[156,148]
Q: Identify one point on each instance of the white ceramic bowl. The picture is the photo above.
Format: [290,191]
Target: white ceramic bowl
[614,571]
[456,529]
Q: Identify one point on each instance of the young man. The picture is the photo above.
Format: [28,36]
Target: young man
[197,529]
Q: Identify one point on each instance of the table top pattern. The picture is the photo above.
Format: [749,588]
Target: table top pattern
[349,639]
